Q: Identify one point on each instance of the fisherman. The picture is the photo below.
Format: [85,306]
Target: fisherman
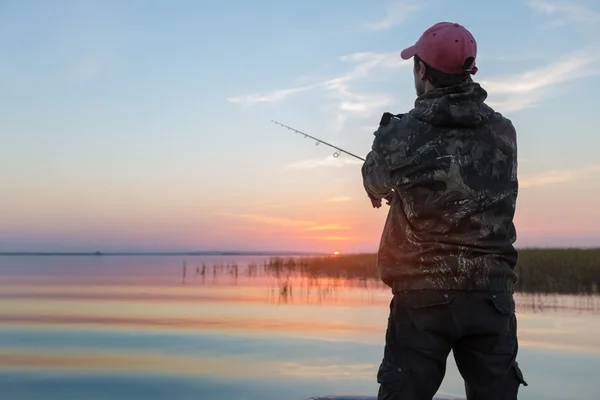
[449,170]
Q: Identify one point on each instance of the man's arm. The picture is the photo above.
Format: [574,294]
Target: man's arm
[376,176]
[375,169]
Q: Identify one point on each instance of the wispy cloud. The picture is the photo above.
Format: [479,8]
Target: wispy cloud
[330,161]
[511,93]
[557,176]
[268,220]
[347,96]
[564,12]
[341,92]
[340,199]
[396,13]
[351,102]
[332,227]
[272,96]
[286,204]
[294,225]
[329,238]
[526,90]
[89,67]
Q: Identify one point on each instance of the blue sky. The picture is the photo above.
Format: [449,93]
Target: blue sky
[146,124]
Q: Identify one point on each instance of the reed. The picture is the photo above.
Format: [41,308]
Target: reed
[567,271]
[559,270]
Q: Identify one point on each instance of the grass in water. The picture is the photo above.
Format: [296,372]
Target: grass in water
[567,271]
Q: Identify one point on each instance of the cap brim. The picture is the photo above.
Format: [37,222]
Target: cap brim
[408,52]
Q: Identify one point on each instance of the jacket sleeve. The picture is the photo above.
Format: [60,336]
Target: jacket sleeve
[390,143]
[376,176]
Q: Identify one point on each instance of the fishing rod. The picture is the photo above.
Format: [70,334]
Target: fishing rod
[375,202]
[318,141]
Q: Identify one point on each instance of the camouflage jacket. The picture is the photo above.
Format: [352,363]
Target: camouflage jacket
[450,168]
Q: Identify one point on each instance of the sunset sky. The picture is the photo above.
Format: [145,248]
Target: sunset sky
[145,125]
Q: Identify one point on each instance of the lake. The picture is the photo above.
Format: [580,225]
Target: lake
[130,327]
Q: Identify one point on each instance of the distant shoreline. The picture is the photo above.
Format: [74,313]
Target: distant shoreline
[242,253]
[165,253]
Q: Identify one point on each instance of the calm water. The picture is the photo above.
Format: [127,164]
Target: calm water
[128,328]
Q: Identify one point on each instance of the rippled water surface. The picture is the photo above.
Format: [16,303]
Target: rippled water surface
[128,327]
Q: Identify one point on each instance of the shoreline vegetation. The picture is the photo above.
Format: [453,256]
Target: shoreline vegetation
[162,253]
[562,271]
[540,270]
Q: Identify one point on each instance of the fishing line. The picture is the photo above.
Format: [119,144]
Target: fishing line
[319,141]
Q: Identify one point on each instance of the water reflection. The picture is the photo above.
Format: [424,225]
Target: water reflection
[289,286]
[238,329]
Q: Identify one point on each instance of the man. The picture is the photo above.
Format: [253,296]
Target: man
[449,171]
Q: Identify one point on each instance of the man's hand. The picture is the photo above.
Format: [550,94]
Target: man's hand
[376,203]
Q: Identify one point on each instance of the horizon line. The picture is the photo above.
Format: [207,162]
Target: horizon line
[238,252]
[157,253]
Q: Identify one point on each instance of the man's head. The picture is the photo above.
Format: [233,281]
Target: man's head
[443,56]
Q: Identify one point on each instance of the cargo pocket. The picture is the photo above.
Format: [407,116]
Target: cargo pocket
[519,374]
[504,303]
[420,300]
[391,377]
[428,311]
[502,320]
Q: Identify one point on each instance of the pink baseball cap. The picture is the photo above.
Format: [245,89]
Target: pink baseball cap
[445,46]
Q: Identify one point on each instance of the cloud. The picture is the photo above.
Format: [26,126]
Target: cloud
[325,162]
[395,14]
[565,12]
[556,176]
[329,238]
[528,89]
[343,98]
[346,96]
[340,199]
[89,67]
[286,204]
[270,97]
[296,225]
[351,103]
[267,220]
[332,227]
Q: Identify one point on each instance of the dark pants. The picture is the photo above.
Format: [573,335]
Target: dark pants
[481,330]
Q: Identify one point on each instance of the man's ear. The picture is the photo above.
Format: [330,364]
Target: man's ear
[421,71]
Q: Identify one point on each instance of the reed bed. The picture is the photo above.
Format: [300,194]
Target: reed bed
[567,271]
